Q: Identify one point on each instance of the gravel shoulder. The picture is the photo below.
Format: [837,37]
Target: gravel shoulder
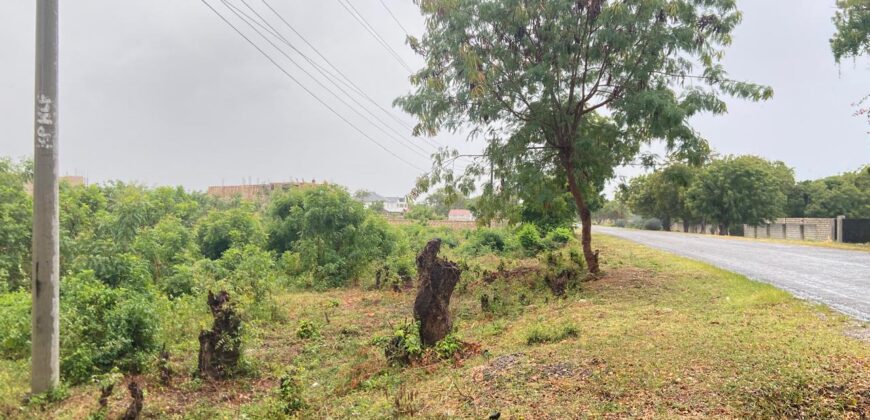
[835,277]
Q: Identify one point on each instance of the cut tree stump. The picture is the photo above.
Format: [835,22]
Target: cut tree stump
[220,348]
[437,278]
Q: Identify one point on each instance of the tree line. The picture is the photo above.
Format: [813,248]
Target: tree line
[737,190]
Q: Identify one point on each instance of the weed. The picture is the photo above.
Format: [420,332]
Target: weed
[307,330]
[539,334]
[448,346]
[405,402]
[290,391]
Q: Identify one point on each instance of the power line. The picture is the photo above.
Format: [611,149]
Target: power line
[394,18]
[322,102]
[323,72]
[248,19]
[347,80]
[374,33]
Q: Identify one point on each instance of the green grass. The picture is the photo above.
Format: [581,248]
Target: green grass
[657,336]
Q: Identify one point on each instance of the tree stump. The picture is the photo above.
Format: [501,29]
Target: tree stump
[437,278]
[135,407]
[220,348]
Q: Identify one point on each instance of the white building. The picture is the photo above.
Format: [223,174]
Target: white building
[391,204]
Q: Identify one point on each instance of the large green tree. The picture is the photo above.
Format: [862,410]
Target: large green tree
[740,190]
[662,194]
[530,77]
[847,194]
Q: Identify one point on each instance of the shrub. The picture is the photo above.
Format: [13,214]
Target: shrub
[404,345]
[620,223]
[335,236]
[652,224]
[540,334]
[485,241]
[105,328]
[560,236]
[530,238]
[15,324]
[448,346]
[307,330]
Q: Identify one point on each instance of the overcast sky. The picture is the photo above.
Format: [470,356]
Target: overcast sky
[163,92]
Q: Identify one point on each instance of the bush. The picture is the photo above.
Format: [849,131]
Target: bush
[290,391]
[485,241]
[448,346]
[620,223]
[335,237]
[652,224]
[530,238]
[307,330]
[404,345]
[105,328]
[560,236]
[15,325]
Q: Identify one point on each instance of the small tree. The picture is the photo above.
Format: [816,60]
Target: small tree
[530,77]
[739,190]
[662,194]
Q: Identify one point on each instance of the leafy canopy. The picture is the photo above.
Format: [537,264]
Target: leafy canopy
[569,88]
[740,190]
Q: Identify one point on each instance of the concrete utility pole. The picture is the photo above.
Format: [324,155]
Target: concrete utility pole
[45,325]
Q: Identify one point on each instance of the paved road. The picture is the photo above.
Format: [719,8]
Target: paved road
[838,278]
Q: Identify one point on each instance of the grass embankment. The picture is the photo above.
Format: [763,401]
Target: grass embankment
[658,336]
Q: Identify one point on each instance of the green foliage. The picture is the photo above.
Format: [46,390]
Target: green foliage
[334,236]
[485,241]
[442,200]
[15,226]
[852,20]
[652,224]
[404,345]
[738,190]
[221,230]
[530,238]
[847,194]
[290,391]
[15,324]
[448,346]
[422,213]
[662,194]
[541,334]
[104,328]
[560,236]
[606,80]
[307,330]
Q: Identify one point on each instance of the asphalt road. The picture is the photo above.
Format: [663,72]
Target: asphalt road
[837,278]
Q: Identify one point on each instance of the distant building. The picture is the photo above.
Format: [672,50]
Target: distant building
[391,204]
[256,192]
[460,215]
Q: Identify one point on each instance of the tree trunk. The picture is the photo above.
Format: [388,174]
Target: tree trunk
[438,277]
[590,256]
[666,223]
